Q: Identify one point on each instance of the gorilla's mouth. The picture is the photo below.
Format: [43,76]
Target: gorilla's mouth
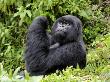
[59,36]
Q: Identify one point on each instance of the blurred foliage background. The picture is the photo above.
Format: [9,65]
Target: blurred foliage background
[17,15]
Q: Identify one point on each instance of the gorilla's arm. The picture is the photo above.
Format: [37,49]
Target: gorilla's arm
[52,43]
[37,46]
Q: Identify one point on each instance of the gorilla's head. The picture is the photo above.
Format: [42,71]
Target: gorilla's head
[67,28]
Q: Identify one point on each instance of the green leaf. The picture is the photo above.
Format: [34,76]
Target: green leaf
[29,13]
[16,71]
[28,5]
[22,14]
[84,14]
[21,9]
[16,14]
[20,22]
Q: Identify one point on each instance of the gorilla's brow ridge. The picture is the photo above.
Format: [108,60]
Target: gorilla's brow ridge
[62,26]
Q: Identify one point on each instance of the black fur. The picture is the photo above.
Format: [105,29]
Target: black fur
[41,59]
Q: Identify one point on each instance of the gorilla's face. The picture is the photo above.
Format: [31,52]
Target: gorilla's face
[66,29]
[63,26]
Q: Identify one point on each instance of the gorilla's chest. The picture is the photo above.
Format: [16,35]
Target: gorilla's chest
[70,49]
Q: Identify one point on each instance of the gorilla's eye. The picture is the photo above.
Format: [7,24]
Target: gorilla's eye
[65,22]
[61,23]
[68,24]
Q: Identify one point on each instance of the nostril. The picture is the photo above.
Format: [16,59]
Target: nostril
[57,30]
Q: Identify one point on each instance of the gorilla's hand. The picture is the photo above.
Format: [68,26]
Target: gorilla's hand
[56,45]
[40,22]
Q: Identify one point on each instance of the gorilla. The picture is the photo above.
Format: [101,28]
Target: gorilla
[44,53]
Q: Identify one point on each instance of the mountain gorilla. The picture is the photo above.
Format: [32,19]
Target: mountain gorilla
[42,57]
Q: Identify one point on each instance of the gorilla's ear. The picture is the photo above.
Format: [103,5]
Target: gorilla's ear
[79,28]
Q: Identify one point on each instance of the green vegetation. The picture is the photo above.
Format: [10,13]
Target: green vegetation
[16,16]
